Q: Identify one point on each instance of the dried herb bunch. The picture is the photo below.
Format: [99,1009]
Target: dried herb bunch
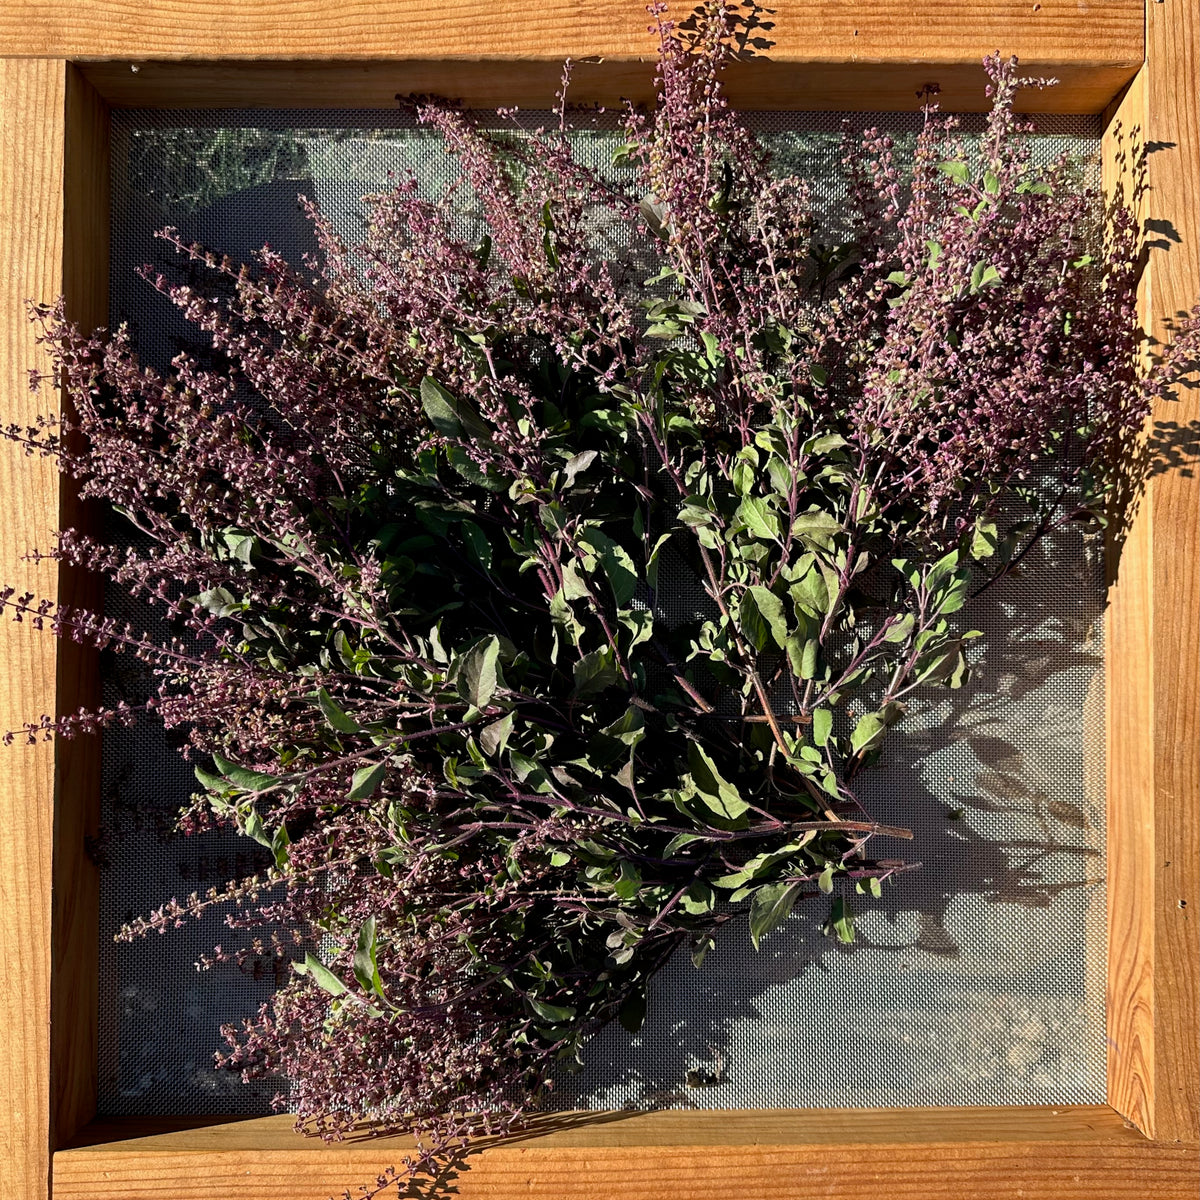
[410,536]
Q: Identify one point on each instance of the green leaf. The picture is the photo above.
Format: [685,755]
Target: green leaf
[679,841]
[578,463]
[320,974]
[803,654]
[983,275]
[868,733]
[870,730]
[554,1013]
[780,474]
[825,444]
[529,772]
[365,780]
[616,564]
[733,880]
[958,171]
[629,882]
[477,540]
[652,561]
[574,586]
[700,950]
[629,727]
[761,864]
[810,592]
[757,517]
[240,545]
[221,602]
[494,737]
[955,596]
[762,618]
[742,477]
[470,470]
[337,718]
[477,676]
[243,777]
[366,964]
[352,659]
[719,796]
[941,665]
[771,906]
[251,824]
[822,725]
[841,921]
[909,570]
[695,516]
[279,844]
[639,622]
[211,783]
[825,879]
[698,899]
[595,671]
[942,570]
[986,540]
[450,416]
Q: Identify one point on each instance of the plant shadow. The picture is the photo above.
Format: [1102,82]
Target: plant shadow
[973,979]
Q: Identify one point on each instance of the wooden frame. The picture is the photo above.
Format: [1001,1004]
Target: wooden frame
[63,65]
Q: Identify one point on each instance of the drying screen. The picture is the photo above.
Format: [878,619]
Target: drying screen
[977,979]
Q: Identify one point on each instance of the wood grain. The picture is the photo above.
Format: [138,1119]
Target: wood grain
[1154,635]
[1173,119]
[833,31]
[955,1154]
[1093,1124]
[855,55]
[762,84]
[1129,640]
[31,231]
[75,990]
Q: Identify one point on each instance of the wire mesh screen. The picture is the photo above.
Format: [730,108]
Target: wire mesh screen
[978,979]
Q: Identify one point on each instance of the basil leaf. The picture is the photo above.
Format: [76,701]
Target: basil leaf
[366,962]
[841,921]
[476,673]
[762,617]
[771,906]
[336,716]
[366,780]
[718,794]
[554,1013]
[320,974]
[243,777]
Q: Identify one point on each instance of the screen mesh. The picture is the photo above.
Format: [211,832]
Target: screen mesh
[978,979]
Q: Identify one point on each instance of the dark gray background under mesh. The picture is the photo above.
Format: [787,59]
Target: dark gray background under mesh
[978,979]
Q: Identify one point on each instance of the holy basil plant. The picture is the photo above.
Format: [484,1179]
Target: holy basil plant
[537,603]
